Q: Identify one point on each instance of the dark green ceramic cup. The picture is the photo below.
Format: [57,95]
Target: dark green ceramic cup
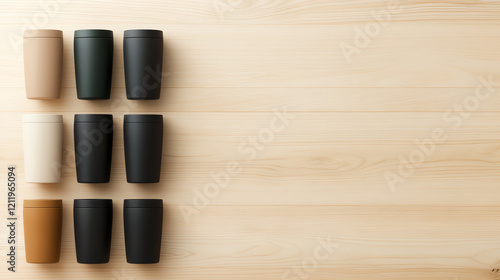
[93,63]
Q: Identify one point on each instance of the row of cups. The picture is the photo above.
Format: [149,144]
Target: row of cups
[93,218]
[93,142]
[93,55]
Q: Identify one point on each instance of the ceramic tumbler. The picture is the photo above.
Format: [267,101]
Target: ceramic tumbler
[42,220]
[93,220]
[93,134]
[143,59]
[43,147]
[43,57]
[93,49]
[143,140]
[143,222]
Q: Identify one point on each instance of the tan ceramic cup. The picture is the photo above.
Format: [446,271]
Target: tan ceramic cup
[42,220]
[43,56]
[43,147]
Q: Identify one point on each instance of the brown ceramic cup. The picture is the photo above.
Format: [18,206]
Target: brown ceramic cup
[42,220]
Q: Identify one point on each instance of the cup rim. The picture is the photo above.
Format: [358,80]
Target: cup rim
[42,203]
[92,118]
[143,203]
[93,203]
[42,118]
[43,33]
[143,33]
[138,118]
[93,33]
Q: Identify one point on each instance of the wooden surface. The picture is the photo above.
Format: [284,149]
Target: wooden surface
[352,121]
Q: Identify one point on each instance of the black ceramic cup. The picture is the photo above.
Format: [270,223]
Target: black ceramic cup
[143,59]
[143,221]
[93,135]
[93,50]
[143,140]
[93,220]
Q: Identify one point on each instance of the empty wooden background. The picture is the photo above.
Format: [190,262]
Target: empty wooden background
[425,67]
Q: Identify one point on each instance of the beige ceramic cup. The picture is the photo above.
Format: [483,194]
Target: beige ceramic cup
[43,56]
[42,138]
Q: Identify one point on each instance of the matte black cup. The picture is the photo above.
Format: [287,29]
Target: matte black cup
[143,139]
[143,221]
[143,59]
[93,220]
[93,146]
[93,63]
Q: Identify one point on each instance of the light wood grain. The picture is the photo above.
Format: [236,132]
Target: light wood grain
[259,12]
[230,65]
[235,99]
[404,55]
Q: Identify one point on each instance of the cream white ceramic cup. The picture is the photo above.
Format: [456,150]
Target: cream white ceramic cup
[42,137]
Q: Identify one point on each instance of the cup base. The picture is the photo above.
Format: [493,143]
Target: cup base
[42,98]
[49,262]
[93,98]
[143,98]
[143,262]
[142,182]
[43,182]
